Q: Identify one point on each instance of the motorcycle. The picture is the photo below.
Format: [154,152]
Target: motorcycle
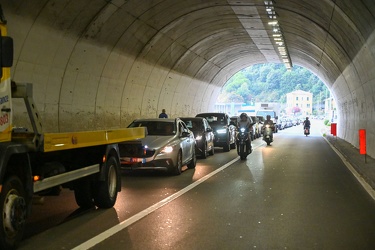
[243,143]
[306,131]
[268,134]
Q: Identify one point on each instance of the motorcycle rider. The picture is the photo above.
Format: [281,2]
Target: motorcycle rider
[268,121]
[247,123]
[306,124]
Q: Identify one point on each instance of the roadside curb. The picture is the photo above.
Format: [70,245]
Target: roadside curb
[364,172]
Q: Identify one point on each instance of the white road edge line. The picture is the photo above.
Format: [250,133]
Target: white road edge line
[361,180]
[113,230]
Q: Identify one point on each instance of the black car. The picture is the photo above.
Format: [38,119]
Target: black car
[225,133]
[203,133]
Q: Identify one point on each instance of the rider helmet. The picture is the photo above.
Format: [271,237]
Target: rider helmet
[268,117]
[243,115]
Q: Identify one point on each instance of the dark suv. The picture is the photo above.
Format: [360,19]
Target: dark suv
[224,132]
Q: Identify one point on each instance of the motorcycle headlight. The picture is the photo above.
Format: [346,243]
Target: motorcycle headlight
[198,138]
[242,130]
[267,126]
[221,131]
[167,149]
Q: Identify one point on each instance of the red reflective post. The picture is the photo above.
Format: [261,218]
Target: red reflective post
[334,129]
[362,141]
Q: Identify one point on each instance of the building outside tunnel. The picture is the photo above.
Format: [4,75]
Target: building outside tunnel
[100,65]
[299,102]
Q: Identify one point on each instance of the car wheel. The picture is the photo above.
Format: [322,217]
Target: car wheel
[193,161]
[226,147]
[204,150]
[212,151]
[178,167]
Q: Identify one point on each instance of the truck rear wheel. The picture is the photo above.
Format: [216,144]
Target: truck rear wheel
[13,212]
[105,194]
[83,193]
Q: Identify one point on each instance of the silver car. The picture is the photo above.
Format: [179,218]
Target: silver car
[168,146]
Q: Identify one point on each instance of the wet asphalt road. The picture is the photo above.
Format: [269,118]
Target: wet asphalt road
[294,194]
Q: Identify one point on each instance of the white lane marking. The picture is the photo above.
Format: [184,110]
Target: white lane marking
[362,181]
[115,229]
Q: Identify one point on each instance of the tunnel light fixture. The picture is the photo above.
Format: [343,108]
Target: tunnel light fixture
[277,34]
[268,3]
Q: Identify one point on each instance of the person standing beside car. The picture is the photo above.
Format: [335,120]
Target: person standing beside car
[163,114]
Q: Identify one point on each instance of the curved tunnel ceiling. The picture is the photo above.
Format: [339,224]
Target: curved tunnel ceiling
[100,64]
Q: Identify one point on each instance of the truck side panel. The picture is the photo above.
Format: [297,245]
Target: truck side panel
[61,141]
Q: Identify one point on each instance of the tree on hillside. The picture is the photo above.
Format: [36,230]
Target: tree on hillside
[270,82]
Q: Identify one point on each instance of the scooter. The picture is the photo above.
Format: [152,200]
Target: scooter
[268,134]
[243,143]
[306,131]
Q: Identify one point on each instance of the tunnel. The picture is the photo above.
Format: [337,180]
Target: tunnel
[99,64]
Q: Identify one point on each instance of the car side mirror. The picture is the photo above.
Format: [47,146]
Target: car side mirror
[185,134]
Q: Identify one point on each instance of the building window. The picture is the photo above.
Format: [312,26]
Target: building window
[307,98]
[296,98]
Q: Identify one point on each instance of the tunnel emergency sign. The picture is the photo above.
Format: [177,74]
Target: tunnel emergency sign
[362,141]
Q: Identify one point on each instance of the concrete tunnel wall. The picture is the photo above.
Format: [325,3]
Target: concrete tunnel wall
[88,76]
[79,84]
[354,93]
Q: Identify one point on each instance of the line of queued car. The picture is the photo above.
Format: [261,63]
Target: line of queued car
[287,122]
[256,131]
[172,143]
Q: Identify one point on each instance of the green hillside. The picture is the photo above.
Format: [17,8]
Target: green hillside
[270,83]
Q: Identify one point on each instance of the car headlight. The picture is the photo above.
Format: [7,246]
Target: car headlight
[221,131]
[167,149]
[198,138]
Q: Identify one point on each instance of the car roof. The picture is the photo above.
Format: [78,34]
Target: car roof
[212,114]
[192,118]
[155,120]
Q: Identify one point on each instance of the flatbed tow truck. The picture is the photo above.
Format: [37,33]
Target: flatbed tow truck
[33,163]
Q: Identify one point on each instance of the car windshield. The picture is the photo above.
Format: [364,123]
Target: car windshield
[264,113]
[215,119]
[193,124]
[156,127]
